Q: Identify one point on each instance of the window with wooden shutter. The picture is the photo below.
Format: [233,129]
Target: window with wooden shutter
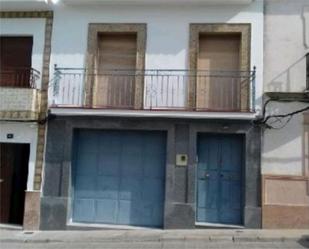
[116,65]
[15,61]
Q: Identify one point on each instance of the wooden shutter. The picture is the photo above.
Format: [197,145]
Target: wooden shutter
[15,61]
[116,52]
[218,91]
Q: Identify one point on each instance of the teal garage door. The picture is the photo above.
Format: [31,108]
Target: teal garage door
[219,179]
[119,177]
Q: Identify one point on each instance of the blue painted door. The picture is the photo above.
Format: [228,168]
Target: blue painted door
[219,179]
[119,177]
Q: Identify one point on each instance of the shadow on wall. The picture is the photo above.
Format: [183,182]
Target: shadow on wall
[304,241]
[293,128]
[285,72]
[285,7]
[284,80]
[284,146]
[279,50]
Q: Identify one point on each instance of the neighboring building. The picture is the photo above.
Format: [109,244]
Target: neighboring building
[285,166]
[151,110]
[24,65]
[25,38]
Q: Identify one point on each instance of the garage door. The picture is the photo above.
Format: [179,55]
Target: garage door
[119,177]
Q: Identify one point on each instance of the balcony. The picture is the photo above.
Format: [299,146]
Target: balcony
[154,90]
[19,96]
[19,77]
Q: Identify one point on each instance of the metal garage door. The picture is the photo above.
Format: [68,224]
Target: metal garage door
[119,177]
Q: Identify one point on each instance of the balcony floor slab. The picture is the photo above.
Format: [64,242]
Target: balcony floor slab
[153,114]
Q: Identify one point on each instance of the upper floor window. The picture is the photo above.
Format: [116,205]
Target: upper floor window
[15,61]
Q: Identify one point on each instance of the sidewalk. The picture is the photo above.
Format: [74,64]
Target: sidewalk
[152,235]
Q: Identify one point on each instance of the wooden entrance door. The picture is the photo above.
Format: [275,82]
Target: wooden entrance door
[15,61]
[218,59]
[14,159]
[219,179]
[6,177]
[115,81]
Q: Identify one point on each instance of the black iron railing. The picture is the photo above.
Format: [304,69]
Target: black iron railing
[20,77]
[161,89]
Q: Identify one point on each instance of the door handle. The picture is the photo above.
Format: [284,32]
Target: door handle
[205,177]
[1,180]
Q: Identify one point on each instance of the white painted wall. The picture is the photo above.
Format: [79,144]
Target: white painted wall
[283,152]
[24,5]
[167,31]
[34,27]
[23,133]
[286,43]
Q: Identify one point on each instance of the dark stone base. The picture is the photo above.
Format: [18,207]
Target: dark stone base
[53,213]
[180,184]
[253,217]
[179,216]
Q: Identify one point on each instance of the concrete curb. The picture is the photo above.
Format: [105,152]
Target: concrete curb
[116,240]
[9,236]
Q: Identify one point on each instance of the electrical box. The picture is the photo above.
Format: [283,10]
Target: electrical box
[182,160]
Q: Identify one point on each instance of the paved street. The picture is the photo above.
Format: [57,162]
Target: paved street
[157,244]
[152,238]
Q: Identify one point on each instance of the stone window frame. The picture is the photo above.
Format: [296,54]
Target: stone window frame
[244,29]
[96,28]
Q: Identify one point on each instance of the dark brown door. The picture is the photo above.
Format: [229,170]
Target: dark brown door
[6,175]
[116,88]
[15,61]
[14,159]
[218,87]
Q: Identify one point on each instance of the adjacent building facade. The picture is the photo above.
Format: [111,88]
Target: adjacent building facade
[149,113]
[285,143]
[25,52]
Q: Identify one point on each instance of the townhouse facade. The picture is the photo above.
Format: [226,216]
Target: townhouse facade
[25,37]
[150,113]
[285,166]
